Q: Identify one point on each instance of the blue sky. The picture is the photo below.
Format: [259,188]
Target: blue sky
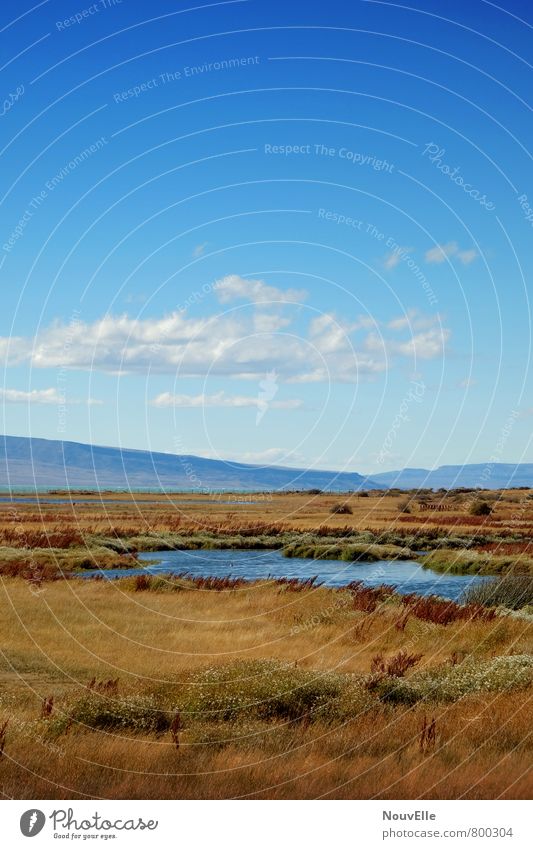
[269,232]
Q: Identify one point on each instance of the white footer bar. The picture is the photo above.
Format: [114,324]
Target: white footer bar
[266,824]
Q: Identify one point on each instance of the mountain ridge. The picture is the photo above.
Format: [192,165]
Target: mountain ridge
[482,475]
[33,461]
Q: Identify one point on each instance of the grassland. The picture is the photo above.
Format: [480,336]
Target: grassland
[85,531]
[174,688]
[258,691]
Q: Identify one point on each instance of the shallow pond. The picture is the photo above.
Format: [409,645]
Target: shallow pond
[110,501]
[407,575]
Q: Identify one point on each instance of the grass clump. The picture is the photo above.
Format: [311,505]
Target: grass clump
[510,591]
[477,562]
[349,552]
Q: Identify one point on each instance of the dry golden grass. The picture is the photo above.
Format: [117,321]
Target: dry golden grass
[512,509]
[57,637]
[55,641]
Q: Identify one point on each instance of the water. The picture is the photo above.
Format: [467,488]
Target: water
[108,502]
[407,575]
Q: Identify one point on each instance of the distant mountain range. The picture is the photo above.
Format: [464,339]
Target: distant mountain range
[484,475]
[72,465]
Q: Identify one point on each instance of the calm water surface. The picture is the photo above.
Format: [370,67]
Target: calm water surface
[406,575]
[109,501]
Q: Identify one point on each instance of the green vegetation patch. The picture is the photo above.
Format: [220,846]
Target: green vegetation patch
[450,683]
[347,551]
[477,562]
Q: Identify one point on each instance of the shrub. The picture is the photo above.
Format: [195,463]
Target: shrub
[450,683]
[511,591]
[341,509]
[142,582]
[265,690]
[480,508]
[136,713]
[368,598]
[404,506]
[441,612]
[396,666]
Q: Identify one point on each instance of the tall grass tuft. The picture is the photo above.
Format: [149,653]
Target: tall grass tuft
[398,664]
[109,687]
[296,585]
[175,727]
[382,669]
[428,735]
[47,707]
[3,737]
[368,598]
[510,591]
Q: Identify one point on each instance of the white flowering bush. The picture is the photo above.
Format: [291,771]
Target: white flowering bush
[262,689]
[448,684]
[246,692]
[141,713]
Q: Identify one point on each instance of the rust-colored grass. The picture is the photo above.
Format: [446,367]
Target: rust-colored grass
[89,639]
[66,641]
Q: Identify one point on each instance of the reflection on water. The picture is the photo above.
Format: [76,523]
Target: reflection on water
[406,575]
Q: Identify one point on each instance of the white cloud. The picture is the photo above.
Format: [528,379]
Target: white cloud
[399,323]
[427,337]
[272,456]
[135,298]
[266,457]
[414,320]
[233,288]
[268,323]
[220,399]
[425,346]
[440,253]
[329,334]
[364,322]
[241,345]
[35,396]
[392,259]
[41,396]
[13,350]
[467,257]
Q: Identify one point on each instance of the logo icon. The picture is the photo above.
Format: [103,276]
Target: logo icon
[32,822]
[268,391]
